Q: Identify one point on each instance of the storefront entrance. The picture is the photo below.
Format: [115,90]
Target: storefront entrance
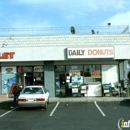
[67,86]
[60,84]
[67,80]
[29,78]
[85,80]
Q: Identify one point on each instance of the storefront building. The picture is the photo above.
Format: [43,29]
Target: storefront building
[67,65]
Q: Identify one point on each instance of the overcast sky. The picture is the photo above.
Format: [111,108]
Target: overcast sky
[63,13]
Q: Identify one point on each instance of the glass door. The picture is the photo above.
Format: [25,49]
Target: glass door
[74,74]
[60,84]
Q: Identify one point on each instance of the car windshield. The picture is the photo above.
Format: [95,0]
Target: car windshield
[33,90]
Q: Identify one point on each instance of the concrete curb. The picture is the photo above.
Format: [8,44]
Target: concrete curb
[80,99]
[5,99]
[89,99]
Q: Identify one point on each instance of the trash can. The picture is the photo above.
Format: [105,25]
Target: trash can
[106,89]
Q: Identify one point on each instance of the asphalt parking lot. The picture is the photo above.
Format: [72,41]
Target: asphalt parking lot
[66,116]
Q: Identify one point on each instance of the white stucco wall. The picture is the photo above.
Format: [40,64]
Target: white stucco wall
[54,53]
[46,48]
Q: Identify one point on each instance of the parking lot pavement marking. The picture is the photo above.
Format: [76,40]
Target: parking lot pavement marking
[8,111]
[99,108]
[54,108]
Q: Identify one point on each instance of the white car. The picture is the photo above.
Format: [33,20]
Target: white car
[33,96]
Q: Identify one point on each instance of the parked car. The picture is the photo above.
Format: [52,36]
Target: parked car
[34,96]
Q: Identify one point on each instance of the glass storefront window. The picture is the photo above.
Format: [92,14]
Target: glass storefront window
[92,70]
[28,69]
[8,77]
[19,69]
[92,73]
[30,75]
[74,68]
[59,67]
[60,81]
[38,78]
[38,69]
[60,84]
[74,77]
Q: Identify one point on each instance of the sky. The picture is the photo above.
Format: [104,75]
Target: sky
[63,13]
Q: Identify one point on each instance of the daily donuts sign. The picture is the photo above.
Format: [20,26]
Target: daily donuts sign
[93,52]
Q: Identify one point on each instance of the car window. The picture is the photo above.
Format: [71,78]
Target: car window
[33,90]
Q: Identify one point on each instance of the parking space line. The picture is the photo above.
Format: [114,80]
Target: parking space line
[99,108]
[54,109]
[8,111]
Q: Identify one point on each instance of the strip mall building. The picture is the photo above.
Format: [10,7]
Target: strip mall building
[61,62]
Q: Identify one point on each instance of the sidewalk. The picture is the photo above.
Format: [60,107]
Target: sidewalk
[88,99]
[79,99]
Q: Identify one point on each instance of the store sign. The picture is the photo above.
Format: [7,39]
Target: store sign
[74,90]
[7,55]
[59,68]
[38,68]
[74,67]
[83,91]
[27,69]
[95,52]
[95,73]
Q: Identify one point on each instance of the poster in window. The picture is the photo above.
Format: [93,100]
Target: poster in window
[96,73]
[9,70]
[7,81]
[38,78]
[77,79]
[73,72]
[74,90]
